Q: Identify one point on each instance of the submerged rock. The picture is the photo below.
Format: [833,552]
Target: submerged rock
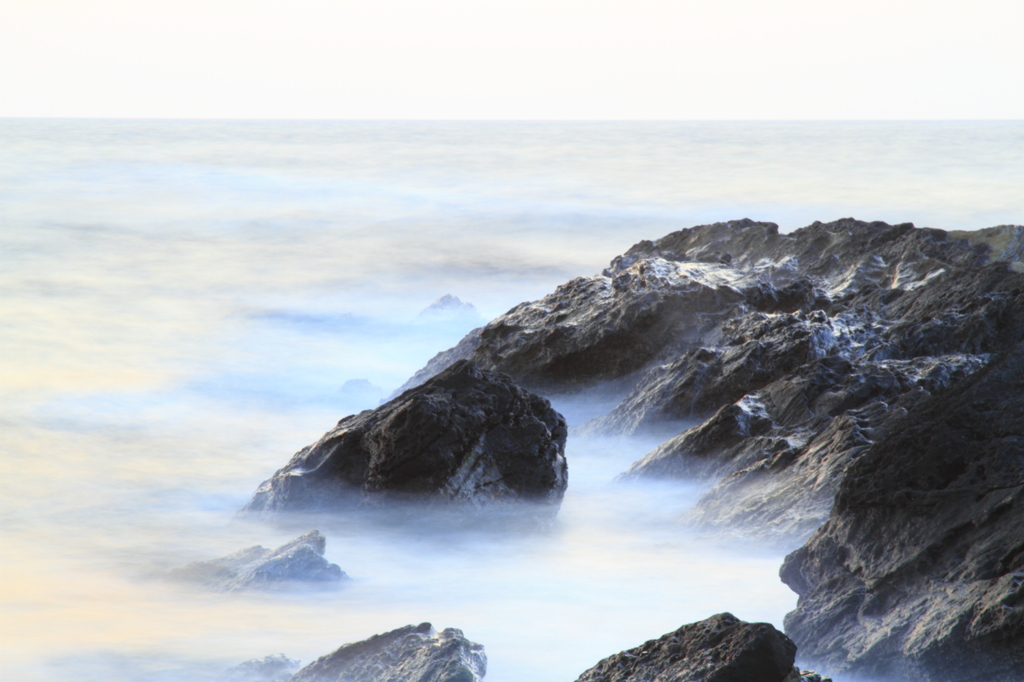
[919,572]
[467,435]
[450,307]
[299,561]
[719,649]
[277,668]
[415,653]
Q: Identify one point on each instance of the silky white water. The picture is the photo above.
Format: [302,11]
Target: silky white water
[183,303]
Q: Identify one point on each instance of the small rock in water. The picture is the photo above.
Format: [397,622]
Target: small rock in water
[299,561]
[722,648]
[449,305]
[414,653]
[277,668]
[466,435]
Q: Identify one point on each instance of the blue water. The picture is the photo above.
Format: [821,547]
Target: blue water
[182,304]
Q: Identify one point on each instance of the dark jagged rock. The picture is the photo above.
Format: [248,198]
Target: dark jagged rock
[794,398]
[277,668]
[299,561]
[919,572]
[415,653]
[1005,242]
[794,350]
[661,299]
[719,649]
[466,435]
[819,361]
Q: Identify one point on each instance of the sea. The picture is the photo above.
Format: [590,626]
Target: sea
[185,304]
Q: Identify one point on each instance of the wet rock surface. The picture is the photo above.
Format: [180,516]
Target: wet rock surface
[791,352]
[300,561]
[719,649]
[414,653]
[919,572]
[861,373]
[789,399]
[467,435]
[661,299]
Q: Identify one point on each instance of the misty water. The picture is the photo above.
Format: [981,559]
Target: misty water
[186,304]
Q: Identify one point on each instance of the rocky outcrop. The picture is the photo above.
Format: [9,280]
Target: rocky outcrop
[794,398]
[662,299]
[466,435]
[415,653]
[719,649]
[861,373]
[300,561]
[1004,242]
[919,572]
[793,352]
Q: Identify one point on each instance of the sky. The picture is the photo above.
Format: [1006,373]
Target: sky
[513,59]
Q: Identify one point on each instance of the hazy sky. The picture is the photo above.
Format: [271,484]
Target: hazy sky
[513,59]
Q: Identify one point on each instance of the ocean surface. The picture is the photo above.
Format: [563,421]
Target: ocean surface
[184,304]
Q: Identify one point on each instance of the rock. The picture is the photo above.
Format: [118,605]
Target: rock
[662,299]
[719,649]
[792,351]
[791,399]
[466,435]
[299,561]
[277,668]
[450,307]
[1005,242]
[415,653]
[918,573]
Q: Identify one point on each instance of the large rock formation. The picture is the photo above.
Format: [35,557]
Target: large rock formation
[661,299]
[790,399]
[719,649]
[873,360]
[919,572]
[793,352]
[466,435]
[296,562]
[415,653]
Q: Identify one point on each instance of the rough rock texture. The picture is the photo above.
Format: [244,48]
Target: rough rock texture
[793,352]
[1005,242]
[661,299]
[919,572]
[790,399]
[466,435]
[277,668]
[415,653]
[720,649]
[299,561]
